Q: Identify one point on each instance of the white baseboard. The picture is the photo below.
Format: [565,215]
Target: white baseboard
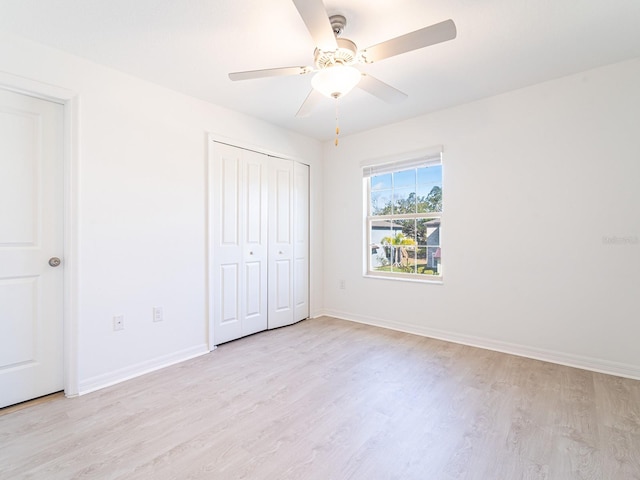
[561,358]
[111,378]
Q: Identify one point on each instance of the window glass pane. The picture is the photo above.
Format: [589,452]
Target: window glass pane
[379,255]
[409,260]
[404,200]
[430,175]
[381,194]
[433,261]
[428,255]
[408,231]
[381,182]
[406,178]
[399,247]
[381,202]
[421,260]
[429,200]
[429,189]
[433,232]
[408,264]
[421,231]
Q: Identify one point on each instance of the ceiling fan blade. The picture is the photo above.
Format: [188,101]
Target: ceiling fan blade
[269,72]
[317,21]
[440,32]
[309,103]
[380,89]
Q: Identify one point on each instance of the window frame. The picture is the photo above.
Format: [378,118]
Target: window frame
[426,158]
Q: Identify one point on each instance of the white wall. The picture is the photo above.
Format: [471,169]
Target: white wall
[555,164]
[535,182]
[142,220]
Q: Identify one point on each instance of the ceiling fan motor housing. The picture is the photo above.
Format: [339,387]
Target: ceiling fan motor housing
[345,54]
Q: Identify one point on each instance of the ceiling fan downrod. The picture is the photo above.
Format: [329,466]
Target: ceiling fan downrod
[338,22]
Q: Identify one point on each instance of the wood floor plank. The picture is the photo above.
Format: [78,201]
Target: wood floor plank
[331,399]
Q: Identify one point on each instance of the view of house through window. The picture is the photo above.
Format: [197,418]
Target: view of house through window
[404,219]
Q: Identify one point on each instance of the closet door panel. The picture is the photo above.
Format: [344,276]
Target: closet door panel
[239,241]
[280,243]
[256,241]
[301,241]
[226,233]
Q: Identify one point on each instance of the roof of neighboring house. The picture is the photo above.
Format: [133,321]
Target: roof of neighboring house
[385,224]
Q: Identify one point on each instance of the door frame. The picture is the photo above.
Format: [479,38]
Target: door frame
[70,102]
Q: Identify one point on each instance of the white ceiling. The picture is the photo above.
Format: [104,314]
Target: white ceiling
[191,46]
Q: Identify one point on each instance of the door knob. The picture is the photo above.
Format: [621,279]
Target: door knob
[54,261]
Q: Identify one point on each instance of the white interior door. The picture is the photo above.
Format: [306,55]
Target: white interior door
[281,261]
[238,243]
[301,241]
[31,233]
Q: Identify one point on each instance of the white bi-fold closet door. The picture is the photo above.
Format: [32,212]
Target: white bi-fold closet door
[259,242]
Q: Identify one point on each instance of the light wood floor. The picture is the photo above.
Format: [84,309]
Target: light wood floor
[330,399]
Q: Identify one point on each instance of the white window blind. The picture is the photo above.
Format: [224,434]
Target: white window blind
[416,160]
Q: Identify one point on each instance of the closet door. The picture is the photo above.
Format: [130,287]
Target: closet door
[301,241]
[238,245]
[281,239]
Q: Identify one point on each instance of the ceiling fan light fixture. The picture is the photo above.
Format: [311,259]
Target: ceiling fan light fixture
[336,81]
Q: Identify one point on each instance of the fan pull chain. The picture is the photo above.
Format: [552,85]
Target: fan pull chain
[337,123]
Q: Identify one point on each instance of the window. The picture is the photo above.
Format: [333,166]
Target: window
[404,218]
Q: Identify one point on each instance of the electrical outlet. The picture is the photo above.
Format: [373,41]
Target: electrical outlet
[157,314]
[342,285]
[118,322]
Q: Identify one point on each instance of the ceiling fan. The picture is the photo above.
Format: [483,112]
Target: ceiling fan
[335,57]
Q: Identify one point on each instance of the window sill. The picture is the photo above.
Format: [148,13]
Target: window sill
[432,279]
